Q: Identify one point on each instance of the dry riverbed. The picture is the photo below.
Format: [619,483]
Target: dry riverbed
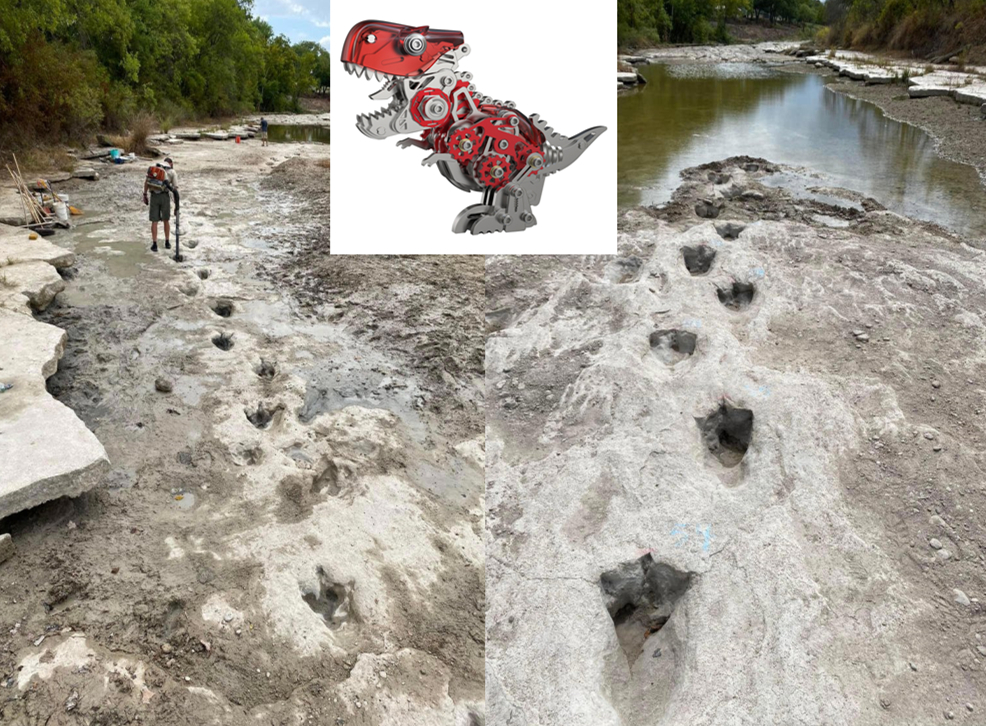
[290,527]
[735,472]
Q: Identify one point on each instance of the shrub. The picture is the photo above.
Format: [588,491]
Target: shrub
[142,126]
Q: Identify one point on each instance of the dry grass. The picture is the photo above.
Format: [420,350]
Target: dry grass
[324,163]
[41,160]
[142,126]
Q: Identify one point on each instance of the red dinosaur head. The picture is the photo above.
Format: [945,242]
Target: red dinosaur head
[417,67]
[396,50]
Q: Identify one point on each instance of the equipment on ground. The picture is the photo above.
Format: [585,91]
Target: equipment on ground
[477,143]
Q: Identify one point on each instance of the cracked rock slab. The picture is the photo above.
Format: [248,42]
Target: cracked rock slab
[28,286]
[16,246]
[47,451]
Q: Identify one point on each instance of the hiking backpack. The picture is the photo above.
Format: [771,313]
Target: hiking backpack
[157,179]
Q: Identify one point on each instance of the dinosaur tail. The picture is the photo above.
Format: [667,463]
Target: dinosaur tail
[562,151]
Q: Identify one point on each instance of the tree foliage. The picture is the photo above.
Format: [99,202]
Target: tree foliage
[937,29]
[648,22]
[69,67]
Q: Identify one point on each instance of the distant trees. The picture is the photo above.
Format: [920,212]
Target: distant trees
[68,67]
[937,29]
[648,22]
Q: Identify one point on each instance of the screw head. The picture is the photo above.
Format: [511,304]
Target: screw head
[414,44]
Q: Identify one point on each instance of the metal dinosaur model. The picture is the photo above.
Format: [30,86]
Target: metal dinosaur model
[477,143]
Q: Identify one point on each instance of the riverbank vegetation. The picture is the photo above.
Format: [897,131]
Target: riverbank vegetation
[71,67]
[642,23]
[934,29]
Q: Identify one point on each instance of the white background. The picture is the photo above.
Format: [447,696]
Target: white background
[545,56]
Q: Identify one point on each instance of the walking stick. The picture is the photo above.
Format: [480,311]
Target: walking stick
[178,257]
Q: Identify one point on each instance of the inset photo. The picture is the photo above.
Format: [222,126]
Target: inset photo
[463,132]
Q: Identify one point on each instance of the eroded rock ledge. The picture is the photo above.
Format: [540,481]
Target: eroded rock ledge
[47,452]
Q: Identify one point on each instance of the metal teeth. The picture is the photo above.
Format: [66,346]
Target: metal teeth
[362,72]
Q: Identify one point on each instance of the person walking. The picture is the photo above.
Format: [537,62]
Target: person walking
[160,182]
[263,131]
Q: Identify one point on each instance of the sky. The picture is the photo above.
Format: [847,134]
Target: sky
[297,19]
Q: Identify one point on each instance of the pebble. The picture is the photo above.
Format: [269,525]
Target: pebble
[935,544]
[936,384]
[961,598]
[949,715]
[228,617]
[982,650]
[163,385]
[969,708]
[166,648]
[936,447]
[928,435]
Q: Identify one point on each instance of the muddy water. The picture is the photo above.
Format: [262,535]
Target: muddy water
[692,114]
[306,134]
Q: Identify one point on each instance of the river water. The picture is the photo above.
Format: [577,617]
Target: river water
[689,114]
[301,133]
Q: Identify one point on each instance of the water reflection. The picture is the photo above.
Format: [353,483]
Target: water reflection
[307,134]
[692,114]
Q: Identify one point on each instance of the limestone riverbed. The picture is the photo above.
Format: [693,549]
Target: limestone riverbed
[735,472]
[288,526]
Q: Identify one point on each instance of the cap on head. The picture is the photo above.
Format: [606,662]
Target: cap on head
[168,159]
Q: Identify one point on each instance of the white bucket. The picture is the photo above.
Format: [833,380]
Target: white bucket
[61,211]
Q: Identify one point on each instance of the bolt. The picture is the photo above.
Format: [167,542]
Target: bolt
[535,160]
[503,144]
[414,44]
[371,38]
[497,172]
[514,121]
[517,193]
[465,145]
[526,217]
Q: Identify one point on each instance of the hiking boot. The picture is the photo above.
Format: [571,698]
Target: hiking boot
[154,247]
[167,244]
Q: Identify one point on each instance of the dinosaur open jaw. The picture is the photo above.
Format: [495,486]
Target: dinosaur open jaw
[377,125]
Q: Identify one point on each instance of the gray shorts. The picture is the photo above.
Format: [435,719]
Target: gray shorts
[160,206]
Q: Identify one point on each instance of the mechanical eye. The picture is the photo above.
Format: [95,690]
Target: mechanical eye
[371,38]
[414,44]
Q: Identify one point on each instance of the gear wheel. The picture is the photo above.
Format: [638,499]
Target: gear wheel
[464,145]
[493,170]
[523,150]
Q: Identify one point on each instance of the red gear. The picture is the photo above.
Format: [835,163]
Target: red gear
[483,170]
[464,134]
